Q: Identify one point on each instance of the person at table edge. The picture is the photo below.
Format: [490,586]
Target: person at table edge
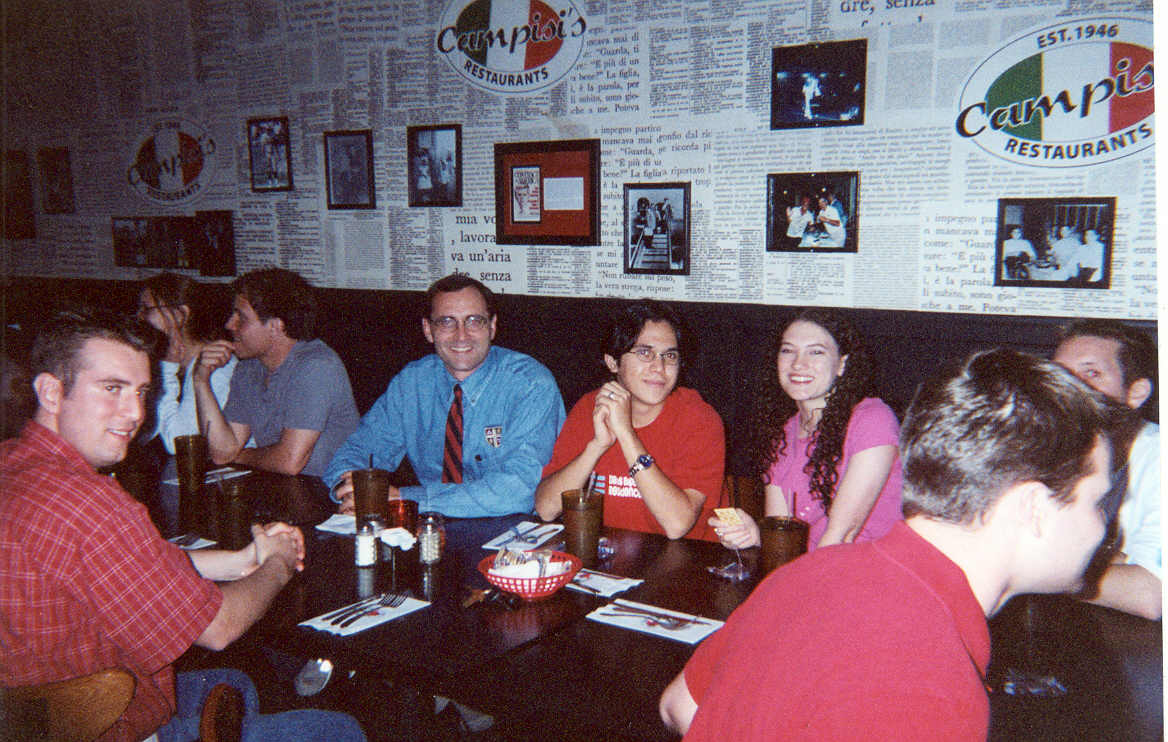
[289,393]
[1120,361]
[87,582]
[510,404]
[1007,462]
[657,449]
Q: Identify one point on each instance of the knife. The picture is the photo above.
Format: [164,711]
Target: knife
[635,610]
[359,605]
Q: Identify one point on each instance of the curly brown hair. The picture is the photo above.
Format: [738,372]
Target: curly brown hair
[766,441]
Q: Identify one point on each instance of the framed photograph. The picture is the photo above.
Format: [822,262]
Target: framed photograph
[813,212]
[215,235]
[348,168]
[131,235]
[1054,242]
[656,232]
[821,84]
[56,180]
[548,193]
[269,154]
[435,169]
[19,220]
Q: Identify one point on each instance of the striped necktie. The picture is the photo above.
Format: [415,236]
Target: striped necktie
[452,451]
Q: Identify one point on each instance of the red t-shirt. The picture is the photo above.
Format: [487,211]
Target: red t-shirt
[686,441]
[88,583]
[881,640]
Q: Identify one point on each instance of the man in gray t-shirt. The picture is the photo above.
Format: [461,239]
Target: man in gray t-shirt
[289,392]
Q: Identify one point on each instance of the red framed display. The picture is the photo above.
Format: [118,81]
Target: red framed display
[547,193]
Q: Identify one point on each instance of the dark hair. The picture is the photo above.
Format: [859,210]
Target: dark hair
[630,319]
[275,292]
[997,419]
[1137,351]
[205,319]
[766,439]
[458,282]
[56,347]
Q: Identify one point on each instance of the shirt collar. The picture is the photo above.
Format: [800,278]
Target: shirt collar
[474,385]
[46,440]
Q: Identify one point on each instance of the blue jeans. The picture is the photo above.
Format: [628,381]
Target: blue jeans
[302,725]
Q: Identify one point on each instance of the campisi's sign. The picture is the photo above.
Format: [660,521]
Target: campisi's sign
[173,163]
[511,46]
[1076,93]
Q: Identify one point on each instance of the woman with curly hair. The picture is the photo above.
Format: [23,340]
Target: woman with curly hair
[823,445]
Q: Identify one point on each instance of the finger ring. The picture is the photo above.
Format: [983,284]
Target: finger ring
[611,395]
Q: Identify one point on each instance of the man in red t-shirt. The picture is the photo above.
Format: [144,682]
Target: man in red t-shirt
[657,449]
[1007,461]
[86,581]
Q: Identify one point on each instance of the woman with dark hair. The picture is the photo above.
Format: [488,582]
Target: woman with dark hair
[825,448]
[182,309]
[656,448]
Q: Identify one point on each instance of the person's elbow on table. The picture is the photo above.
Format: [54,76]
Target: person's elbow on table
[677,706]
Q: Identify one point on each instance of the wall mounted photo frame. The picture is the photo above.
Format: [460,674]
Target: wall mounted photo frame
[56,180]
[548,193]
[348,168]
[269,154]
[820,84]
[1055,242]
[813,212]
[435,165]
[19,219]
[656,235]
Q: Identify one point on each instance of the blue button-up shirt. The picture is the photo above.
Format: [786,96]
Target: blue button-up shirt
[512,412]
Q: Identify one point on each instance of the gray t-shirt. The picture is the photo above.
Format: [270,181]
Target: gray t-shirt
[309,391]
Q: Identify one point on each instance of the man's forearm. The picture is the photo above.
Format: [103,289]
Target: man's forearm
[1132,589]
[221,442]
[244,602]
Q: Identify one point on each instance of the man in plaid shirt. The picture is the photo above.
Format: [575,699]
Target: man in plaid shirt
[87,582]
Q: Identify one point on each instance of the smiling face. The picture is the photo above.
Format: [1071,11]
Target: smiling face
[463,344]
[649,382]
[808,364]
[104,408]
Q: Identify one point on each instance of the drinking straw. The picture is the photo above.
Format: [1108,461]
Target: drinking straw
[588,488]
[371,460]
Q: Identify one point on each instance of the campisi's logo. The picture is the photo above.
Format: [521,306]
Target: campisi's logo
[173,163]
[511,46]
[1072,94]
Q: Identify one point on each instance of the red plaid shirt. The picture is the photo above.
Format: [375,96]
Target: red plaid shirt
[86,581]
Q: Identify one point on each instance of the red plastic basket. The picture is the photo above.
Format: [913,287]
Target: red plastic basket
[532,588]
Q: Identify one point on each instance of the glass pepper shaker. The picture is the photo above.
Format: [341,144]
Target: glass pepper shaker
[431,537]
[366,551]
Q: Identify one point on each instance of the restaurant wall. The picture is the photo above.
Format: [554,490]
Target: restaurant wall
[132,144]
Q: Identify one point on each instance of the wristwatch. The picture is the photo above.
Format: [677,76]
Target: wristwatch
[644,461]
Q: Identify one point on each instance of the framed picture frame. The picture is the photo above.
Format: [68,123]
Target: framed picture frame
[813,212]
[269,153]
[547,193]
[435,165]
[348,168]
[656,234]
[819,84]
[19,219]
[1055,242]
[56,180]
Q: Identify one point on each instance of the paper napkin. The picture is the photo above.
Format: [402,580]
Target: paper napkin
[541,533]
[346,525]
[601,583]
[381,615]
[690,634]
[214,475]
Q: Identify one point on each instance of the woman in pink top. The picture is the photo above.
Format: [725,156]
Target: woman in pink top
[825,448]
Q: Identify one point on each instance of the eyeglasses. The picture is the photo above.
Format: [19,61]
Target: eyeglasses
[473,322]
[645,354]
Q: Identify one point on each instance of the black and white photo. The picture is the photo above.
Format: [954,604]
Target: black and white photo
[657,228]
[1055,242]
[435,165]
[269,154]
[821,84]
[348,165]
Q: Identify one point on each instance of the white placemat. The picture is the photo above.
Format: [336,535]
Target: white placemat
[374,617]
[539,532]
[690,634]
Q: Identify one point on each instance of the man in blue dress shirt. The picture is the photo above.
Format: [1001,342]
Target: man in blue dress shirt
[511,413]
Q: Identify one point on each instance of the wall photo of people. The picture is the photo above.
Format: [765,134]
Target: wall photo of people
[813,212]
[435,165]
[1054,242]
[657,228]
[820,84]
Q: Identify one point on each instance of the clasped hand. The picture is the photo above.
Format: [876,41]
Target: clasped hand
[612,414]
[279,541]
[736,536]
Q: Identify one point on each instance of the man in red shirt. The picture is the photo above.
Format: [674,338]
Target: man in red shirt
[1006,463]
[86,581]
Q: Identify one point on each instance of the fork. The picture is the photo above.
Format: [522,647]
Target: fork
[665,619]
[391,600]
[534,535]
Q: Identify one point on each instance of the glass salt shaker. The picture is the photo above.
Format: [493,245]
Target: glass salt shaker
[366,551]
[431,537]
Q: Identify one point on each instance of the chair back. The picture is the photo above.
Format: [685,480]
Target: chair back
[75,710]
[222,717]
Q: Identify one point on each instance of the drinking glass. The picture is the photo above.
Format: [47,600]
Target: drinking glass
[735,571]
